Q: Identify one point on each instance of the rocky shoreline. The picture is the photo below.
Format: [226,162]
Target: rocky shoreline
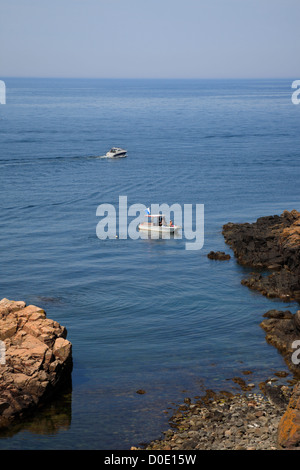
[223,421]
[35,359]
[269,420]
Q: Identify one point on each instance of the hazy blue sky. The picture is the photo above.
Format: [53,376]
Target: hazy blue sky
[150,38]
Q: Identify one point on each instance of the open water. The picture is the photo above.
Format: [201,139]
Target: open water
[141,314]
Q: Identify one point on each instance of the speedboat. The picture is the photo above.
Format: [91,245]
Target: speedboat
[116,152]
[157,223]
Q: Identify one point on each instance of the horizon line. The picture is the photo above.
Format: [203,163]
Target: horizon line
[144,78]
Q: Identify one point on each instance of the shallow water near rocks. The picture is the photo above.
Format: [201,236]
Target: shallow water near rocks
[141,314]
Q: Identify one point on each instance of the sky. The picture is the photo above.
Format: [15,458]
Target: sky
[150,38]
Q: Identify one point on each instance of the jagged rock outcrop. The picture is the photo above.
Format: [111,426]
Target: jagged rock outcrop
[271,243]
[35,359]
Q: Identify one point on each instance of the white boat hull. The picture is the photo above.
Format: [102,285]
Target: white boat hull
[114,155]
[158,229]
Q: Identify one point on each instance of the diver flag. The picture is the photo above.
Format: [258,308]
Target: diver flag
[148,211]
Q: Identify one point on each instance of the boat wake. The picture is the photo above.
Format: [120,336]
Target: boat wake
[105,157]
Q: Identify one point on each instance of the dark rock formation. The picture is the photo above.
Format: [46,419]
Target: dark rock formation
[218,255]
[282,331]
[35,359]
[271,243]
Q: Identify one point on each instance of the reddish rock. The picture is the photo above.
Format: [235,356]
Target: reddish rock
[289,426]
[61,349]
[36,359]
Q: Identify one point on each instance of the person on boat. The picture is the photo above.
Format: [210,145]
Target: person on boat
[171,223]
[160,221]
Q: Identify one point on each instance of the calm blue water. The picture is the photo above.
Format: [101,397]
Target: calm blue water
[140,314]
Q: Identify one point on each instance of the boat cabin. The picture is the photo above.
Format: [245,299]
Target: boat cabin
[157,220]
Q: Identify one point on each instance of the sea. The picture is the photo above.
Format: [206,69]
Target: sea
[151,322]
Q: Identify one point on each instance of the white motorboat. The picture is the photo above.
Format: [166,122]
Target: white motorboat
[116,152]
[157,223]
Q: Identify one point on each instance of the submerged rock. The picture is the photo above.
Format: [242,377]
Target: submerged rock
[36,359]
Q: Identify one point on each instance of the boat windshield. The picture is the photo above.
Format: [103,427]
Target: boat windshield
[159,220]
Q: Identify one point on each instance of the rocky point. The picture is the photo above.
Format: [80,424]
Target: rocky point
[36,359]
[272,246]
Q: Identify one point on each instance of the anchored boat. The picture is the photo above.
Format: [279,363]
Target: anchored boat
[158,223]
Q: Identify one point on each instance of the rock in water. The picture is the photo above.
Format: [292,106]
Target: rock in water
[218,255]
[271,243]
[36,359]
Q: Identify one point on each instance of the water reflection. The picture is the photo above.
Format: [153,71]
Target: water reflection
[50,419]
